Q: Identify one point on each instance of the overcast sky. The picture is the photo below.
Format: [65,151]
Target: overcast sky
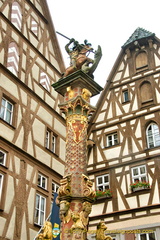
[108,23]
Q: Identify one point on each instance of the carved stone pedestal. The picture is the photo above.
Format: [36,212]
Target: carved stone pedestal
[75,192]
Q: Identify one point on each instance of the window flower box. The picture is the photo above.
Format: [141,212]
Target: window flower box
[137,186]
[103,194]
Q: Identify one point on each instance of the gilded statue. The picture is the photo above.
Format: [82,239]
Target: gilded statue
[46,232]
[80,219]
[100,233]
[65,212]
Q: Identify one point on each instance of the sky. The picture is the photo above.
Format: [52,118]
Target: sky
[108,23]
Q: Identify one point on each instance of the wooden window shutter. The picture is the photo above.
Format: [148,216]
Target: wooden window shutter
[129,236]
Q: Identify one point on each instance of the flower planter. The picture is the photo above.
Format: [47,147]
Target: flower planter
[103,197]
[139,188]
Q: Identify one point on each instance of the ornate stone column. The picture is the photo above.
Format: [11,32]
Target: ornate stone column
[75,192]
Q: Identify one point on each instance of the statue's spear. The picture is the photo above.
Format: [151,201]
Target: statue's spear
[63,35]
[70,39]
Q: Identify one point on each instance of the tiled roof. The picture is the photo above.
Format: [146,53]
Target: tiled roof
[139,33]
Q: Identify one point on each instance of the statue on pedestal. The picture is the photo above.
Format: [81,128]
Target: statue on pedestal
[79,59]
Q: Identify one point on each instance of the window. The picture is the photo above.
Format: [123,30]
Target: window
[125,96]
[147,236]
[50,141]
[54,188]
[146,92]
[141,60]
[34,27]
[102,182]
[153,135]
[139,174]
[16,15]
[45,81]
[40,210]
[42,181]
[3,157]
[6,111]
[112,139]
[13,58]
[1,184]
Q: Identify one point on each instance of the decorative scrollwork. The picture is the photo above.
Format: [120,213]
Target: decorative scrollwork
[65,186]
[87,187]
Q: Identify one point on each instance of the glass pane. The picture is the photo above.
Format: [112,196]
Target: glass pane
[2,113]
[106,179]
[100,180]
[42,203]
[8,117]
[136,180]
[143,179]
[9,106]
[39,180]
[57,188]
[125,94]
[36,216]
[142,170]
[37,201]
[2,157]
[143,237]
[43,182]
[106,187]
[135,171]
[152,236]
[41,218]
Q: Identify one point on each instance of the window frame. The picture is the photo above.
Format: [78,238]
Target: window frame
[4,118]
[51,141]
[124,100]
[55,188]
[147,235]
[104,183]
[139,175]
[1,185]
[40,221]
[112,140]
[153,135]
[42,177]
[4,157]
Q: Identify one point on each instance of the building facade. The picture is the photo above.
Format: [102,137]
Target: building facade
[32,129]
[124,137]
[124,159]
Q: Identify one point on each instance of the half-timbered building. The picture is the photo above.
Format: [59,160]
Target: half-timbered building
[32,129]
[124,160]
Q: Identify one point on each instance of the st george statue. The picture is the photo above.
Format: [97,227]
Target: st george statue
[79,59]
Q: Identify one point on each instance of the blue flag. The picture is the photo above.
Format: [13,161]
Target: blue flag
[55,220]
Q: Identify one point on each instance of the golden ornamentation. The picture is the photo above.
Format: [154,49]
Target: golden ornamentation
[65,186]
[100,233]
[81,219]
[65,212]
[86,94]
[84,214]
[46,232]
[70,92]
[87,187]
